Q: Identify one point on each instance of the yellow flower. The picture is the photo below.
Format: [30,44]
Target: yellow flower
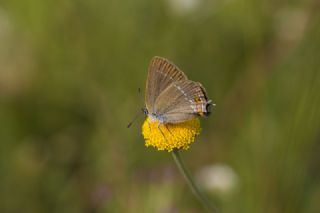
[170,136]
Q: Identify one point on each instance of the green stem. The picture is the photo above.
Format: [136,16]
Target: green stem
[186,174]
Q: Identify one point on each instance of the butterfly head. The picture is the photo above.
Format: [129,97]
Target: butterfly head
[145,110]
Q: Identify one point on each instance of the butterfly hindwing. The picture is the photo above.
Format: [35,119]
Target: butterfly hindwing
[181,101]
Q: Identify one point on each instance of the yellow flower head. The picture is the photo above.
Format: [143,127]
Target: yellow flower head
[170,136]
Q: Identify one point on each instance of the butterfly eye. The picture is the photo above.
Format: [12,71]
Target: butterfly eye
[145,111]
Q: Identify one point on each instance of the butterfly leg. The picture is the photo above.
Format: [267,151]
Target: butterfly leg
[149,126]
[168,130]
[162,132]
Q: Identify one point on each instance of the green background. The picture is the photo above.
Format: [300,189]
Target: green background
[69,78]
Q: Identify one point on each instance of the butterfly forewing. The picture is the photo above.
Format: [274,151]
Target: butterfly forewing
[181,101]
[161,74]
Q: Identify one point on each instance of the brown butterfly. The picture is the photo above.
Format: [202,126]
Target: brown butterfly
[170,96]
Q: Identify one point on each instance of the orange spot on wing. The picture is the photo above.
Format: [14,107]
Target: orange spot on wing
[198,102]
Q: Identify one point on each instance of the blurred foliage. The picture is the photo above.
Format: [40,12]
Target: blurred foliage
[69,76]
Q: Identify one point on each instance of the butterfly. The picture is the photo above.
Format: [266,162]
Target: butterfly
[170,97]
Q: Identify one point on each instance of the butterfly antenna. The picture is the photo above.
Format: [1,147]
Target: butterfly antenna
[137,115]
[141,95]
[133,120]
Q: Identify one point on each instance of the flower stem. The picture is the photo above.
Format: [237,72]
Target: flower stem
[194,188]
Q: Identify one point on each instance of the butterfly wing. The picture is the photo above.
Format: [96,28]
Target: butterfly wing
[161,74]
[182,101]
